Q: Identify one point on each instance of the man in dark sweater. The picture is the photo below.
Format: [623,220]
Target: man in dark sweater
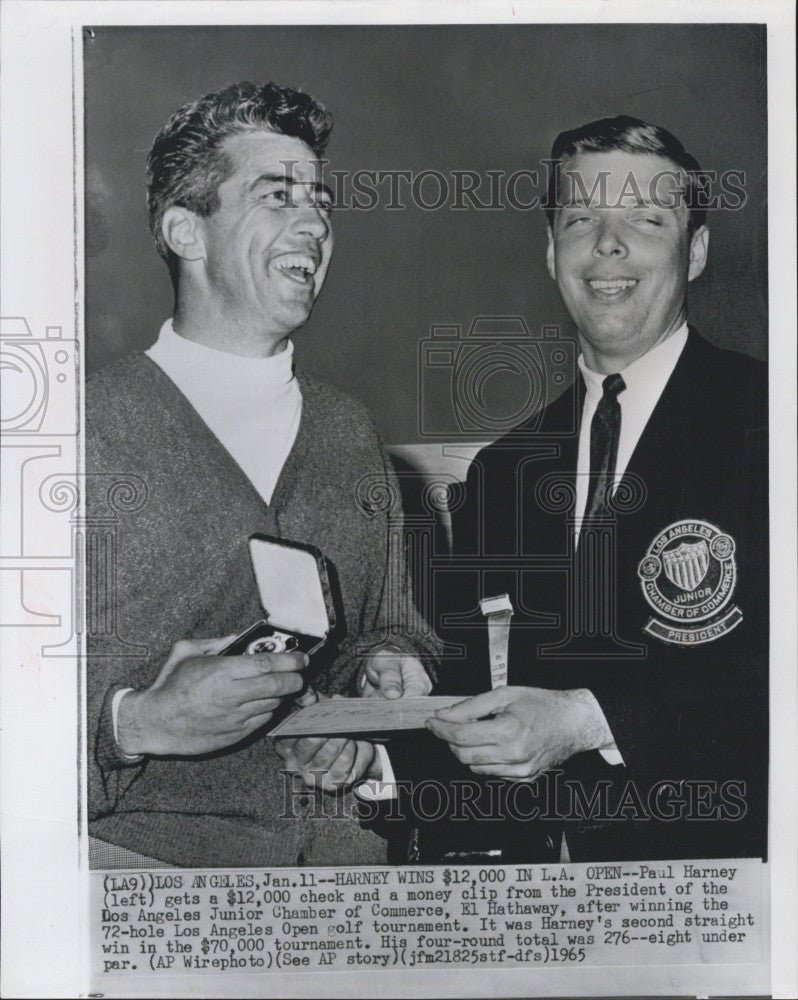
[221,439]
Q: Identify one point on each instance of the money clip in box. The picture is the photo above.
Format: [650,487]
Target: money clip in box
[295,595]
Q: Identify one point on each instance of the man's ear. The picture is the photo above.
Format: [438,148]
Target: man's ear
[182,232]
[699,247]
[550,254]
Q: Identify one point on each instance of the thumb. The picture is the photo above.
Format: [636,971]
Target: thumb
[212,646]
[473,708]
[308,697]
[385,674]
[183,649]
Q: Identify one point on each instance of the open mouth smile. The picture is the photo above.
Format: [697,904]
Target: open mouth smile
[611,287]
[297,267]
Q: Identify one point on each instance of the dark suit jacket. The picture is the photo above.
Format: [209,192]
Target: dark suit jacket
[689,717]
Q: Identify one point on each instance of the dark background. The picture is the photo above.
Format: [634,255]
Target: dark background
[414,98]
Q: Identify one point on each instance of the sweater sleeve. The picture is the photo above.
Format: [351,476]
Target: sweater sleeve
[395,619]
[110,773]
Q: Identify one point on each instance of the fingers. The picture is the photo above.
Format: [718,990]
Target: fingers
[308,697]
[310,748]
[481,755]
[466,734]
[249,689]
[340,768]
[186,648]
[364,754]
[256,721]
[321,763]
[334,756]
[275,663]
[255,707]
[324,773]
[231,736]
[475,708]
[515,772]
[391,674]
[284,745]
[416,681]
[259,664]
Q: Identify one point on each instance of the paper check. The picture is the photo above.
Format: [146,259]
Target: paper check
[345,716]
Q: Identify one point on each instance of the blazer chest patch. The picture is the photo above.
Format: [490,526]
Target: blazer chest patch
[688,576]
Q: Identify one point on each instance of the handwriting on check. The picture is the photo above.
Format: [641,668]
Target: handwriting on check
[345,716]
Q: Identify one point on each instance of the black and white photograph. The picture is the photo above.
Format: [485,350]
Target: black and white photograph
[399,421]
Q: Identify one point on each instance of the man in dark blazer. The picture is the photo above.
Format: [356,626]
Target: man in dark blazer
[627,523]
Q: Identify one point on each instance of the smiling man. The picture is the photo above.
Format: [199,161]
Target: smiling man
[634,516]
[223,439]
[622,259]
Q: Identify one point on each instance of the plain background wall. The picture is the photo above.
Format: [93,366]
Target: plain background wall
[416,98]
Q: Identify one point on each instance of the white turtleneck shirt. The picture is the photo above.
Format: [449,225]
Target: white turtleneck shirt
[252,405]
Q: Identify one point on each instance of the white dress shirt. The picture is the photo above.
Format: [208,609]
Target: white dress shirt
[645,380]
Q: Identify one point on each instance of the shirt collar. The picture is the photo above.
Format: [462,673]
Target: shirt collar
[647,375]
[178,356]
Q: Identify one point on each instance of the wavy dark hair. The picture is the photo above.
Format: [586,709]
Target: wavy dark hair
[187,164]
[630,135]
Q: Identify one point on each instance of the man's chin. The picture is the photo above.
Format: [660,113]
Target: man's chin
[288,320]
[607,336]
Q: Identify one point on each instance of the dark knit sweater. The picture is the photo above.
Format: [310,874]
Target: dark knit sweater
[182,571]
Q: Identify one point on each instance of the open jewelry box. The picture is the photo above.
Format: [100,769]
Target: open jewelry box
[295,595]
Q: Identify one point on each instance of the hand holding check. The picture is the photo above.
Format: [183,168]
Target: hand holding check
[519,732]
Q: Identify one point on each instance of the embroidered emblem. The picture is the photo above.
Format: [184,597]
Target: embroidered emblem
[687,565]
[688,575]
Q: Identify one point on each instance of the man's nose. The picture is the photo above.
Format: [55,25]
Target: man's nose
[310,219]
[609,242]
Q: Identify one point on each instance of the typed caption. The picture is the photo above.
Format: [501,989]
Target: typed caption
[259,921]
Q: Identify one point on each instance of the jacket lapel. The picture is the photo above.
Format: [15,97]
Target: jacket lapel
[667,428]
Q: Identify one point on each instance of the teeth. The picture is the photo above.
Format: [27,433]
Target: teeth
[296,261]
[612,286]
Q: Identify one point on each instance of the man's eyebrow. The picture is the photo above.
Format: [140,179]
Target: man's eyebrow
[276,177]
[579,201]
[287,178]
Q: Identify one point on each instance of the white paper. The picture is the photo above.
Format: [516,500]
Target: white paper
[362,715]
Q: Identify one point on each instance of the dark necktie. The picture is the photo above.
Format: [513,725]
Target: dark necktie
[605,430]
